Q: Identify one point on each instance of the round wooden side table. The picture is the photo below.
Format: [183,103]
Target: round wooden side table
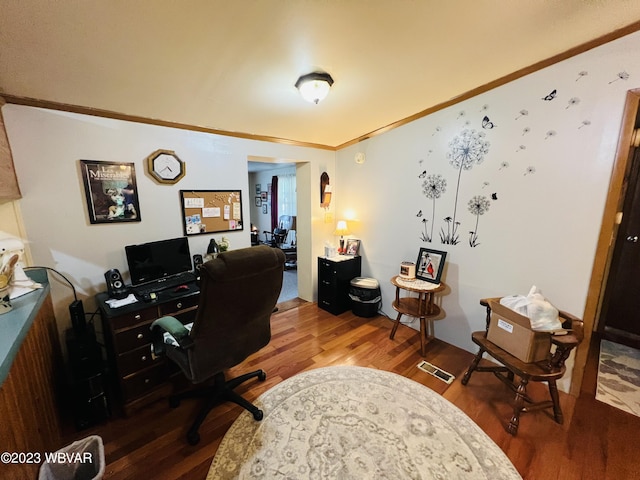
[422,306]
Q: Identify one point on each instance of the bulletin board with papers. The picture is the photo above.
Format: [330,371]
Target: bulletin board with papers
[211,211]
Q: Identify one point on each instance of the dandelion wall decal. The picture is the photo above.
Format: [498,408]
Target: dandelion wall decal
[461,114]
[436,131]
[572,101]
[551,96]
[484,108]
[581,74]
[494,196]
[525,130]
[523,113]
[433,187]
[530,170]
[466,150]
[550,133]
[621,76]
[485,184]
[423,235]
[521,147]
[504,165]
[585,123]
[478,205]
[423,174]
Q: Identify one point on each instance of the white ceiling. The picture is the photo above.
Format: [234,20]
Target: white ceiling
[231,65]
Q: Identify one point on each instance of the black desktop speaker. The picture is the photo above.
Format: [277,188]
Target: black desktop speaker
[197,262]
[115,284]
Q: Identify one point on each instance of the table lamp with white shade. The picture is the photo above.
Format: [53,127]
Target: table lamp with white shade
[342,230]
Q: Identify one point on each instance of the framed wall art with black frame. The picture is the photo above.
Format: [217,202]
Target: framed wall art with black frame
[430,265]
[111,191]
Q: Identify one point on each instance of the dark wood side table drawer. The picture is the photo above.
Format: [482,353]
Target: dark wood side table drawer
[136,360]
[171,308]
[134,318]
[133,338]
[140,383]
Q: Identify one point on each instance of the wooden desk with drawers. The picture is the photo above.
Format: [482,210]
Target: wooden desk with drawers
[136,377]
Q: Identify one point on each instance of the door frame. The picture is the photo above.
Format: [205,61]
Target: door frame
[608,231]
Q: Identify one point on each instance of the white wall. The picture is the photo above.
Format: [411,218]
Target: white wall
[542,229]
[47,146]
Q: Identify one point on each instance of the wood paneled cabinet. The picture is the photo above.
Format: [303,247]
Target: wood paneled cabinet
[30,415]
[334,281]
[137,377]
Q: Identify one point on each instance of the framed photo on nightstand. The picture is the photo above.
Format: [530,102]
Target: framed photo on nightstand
[430,264]
[352,247]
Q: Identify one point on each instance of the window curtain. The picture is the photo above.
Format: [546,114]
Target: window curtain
[274,202]
[287,194]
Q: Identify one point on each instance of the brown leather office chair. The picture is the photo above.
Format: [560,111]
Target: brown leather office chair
[548,370]
[238,292]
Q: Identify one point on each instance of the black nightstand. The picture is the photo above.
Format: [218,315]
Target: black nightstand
[334,280]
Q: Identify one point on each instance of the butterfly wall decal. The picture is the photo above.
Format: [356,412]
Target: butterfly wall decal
[494,196]
[488,124]
[423,174]
[551,96]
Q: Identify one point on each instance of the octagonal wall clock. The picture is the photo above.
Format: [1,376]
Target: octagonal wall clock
[165,167]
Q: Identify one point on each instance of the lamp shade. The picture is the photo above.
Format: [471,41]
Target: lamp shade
[341,228]
[314,87]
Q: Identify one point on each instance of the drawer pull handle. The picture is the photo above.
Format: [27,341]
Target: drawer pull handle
[144,358]
[140,336]
[179,305]
[146,380]
[138,317]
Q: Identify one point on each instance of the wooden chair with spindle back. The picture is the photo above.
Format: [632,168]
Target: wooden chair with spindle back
[549,370]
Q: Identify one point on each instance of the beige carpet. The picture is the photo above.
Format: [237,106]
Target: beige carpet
[357,423]
[619,377]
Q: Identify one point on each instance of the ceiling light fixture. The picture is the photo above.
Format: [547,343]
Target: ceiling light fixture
[314,86]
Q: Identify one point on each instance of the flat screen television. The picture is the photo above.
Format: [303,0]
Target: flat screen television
[155,260]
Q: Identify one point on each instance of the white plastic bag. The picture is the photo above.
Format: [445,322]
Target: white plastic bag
[542,314]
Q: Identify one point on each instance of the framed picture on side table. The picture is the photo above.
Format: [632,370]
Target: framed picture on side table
[430,264]
[352,247]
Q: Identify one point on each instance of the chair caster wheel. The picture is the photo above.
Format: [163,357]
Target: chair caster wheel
[174,402]
[193,438]
[258,415]
[262,376]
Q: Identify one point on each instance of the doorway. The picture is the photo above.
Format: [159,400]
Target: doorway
[297,275]
[619,320]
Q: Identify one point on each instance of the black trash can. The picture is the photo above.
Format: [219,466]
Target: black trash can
[365,296]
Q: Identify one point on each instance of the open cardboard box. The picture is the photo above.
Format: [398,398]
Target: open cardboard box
[512,332]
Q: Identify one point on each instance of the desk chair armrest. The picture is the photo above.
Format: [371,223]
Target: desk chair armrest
[173,327]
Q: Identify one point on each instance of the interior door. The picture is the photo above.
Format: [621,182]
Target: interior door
[621,306]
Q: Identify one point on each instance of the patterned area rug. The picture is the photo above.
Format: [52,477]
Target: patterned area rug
[357,423]
[619,377]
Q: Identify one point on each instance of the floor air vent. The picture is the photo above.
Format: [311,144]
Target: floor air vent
[436,372]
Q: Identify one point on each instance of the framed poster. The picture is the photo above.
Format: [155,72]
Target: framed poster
[211,211]
[430,264]
[111,191]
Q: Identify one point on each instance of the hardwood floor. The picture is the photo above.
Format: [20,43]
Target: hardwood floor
[596,441]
